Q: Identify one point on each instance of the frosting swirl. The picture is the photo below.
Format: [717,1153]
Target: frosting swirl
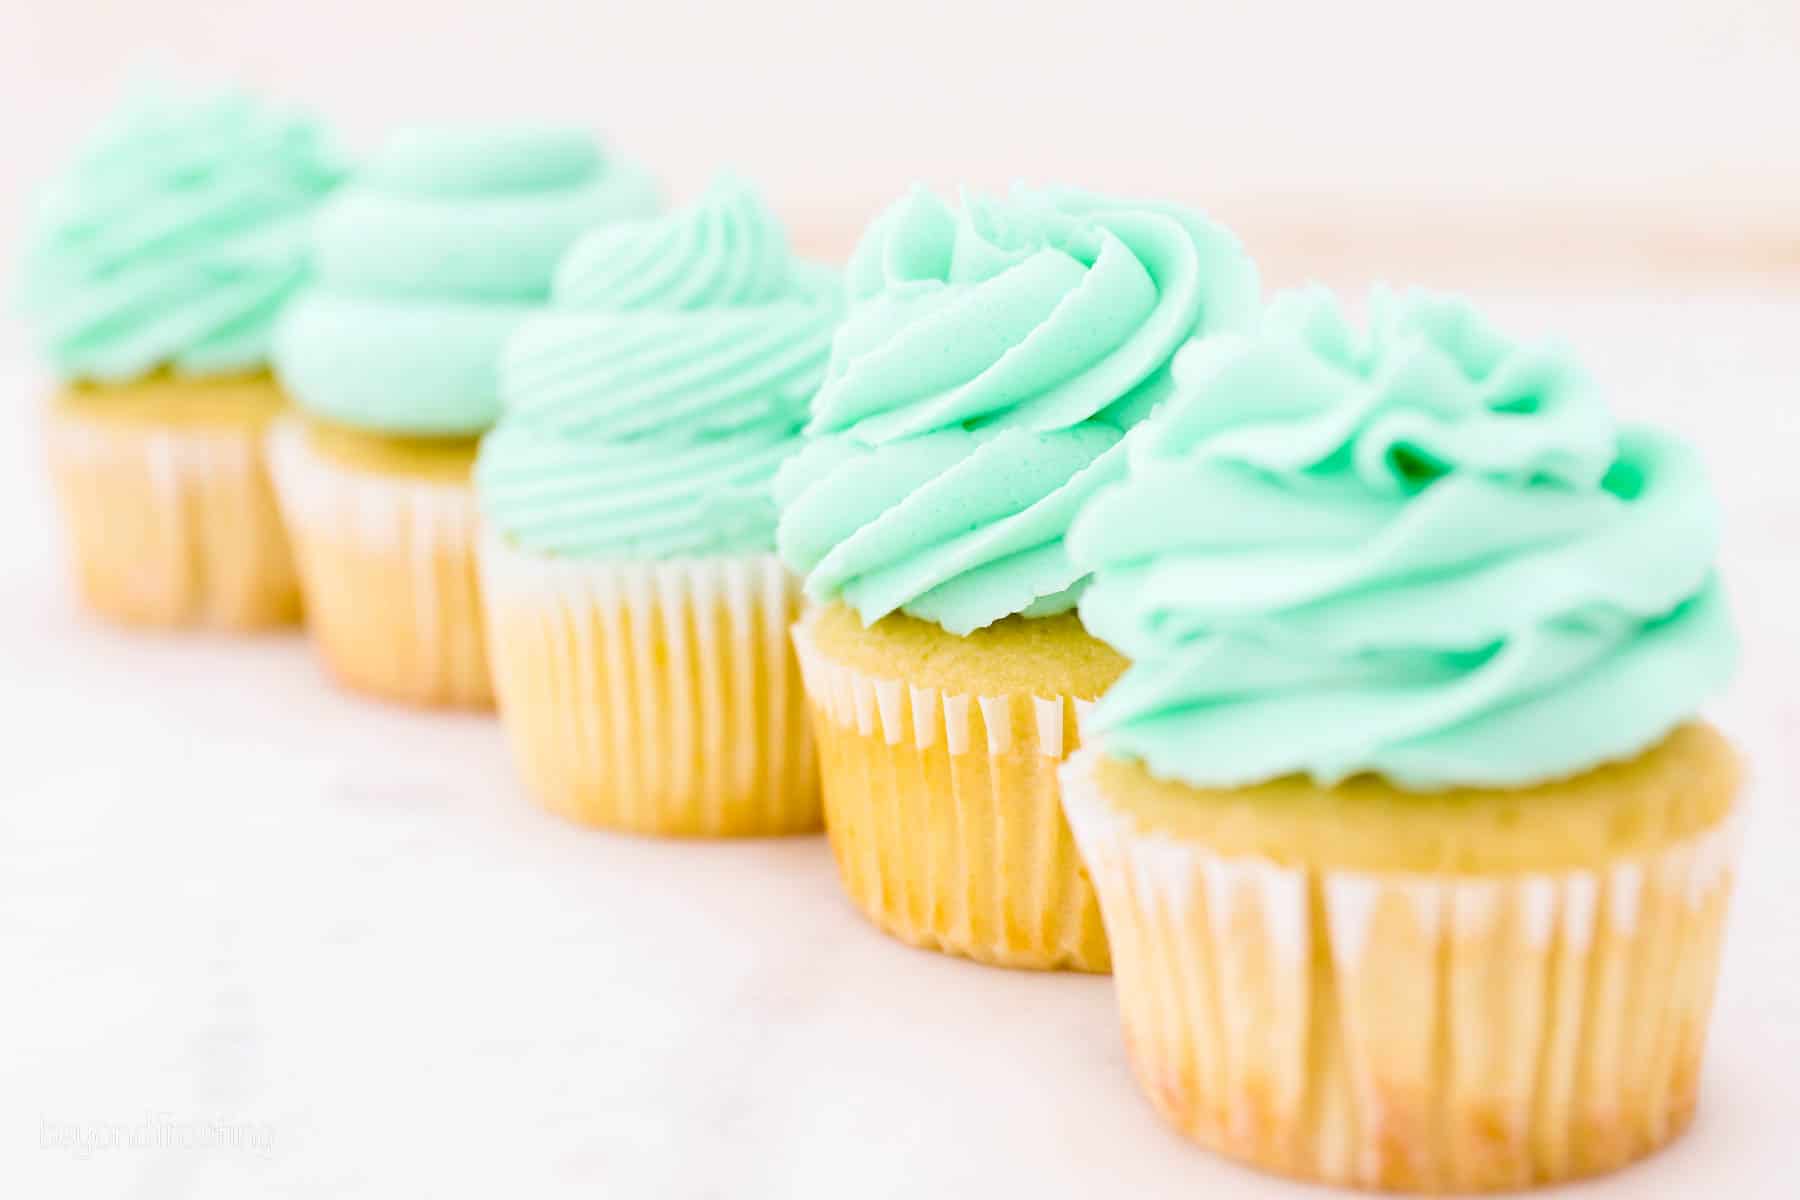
[1426,553]
[647,410]
[176,237]
[979,390]
[429,260]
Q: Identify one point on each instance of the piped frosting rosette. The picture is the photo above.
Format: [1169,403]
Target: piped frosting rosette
[978,393]
[429,261]
[176,237]
[1424,551]
[647,411]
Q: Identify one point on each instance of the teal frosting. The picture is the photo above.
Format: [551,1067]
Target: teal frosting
[979,390]
[176,237]
[647,410]
[1426,552]
[429,260]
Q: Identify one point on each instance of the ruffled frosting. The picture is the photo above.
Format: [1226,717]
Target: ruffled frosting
[429,260]
[647,411]
[176,237]
[978,392]
[1426,553]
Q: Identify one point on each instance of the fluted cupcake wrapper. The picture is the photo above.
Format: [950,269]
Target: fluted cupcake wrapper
[942,811]
[173,526]
[1410,1032]
[655,697]
[388,564]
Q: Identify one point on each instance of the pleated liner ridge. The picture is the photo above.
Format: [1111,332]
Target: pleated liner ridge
[1410,1032]
[654,697]
[944,816]
[173,526]
[388,565]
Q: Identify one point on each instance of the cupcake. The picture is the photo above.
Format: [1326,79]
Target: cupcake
[637,614]
[154,273]
[427,262]
[979,391]
[1412,852]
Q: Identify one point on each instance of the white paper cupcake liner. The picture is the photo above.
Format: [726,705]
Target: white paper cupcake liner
[389,568]
[661,697]
[173,525]
[1409,1031]
[943,812]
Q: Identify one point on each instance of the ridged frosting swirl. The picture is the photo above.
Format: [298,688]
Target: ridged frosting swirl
[647,410]
[992,360]
[176,236]
[427,262]
[1426,552]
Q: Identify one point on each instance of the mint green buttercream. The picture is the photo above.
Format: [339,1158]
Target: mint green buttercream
[176,237]
[1426,553]
[428,261]
[647,410]
[977,395]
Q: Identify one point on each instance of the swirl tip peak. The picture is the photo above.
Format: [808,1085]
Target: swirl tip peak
[994,356]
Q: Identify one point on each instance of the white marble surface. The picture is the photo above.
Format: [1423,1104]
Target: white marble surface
[231,895]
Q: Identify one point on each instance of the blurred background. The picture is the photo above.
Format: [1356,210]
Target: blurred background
[1535,142]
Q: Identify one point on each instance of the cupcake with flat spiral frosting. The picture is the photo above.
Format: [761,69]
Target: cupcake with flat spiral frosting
[996,357]
[428,262]
[627,494]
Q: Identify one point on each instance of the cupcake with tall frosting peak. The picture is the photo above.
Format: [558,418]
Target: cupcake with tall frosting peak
[154,271]
[1413,853]
[995,356]
[427,262]
[637,613]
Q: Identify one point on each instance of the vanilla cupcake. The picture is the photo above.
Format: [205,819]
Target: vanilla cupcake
[427,262]
[1413,855]
[154,272]
[637,613]
[978,393]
